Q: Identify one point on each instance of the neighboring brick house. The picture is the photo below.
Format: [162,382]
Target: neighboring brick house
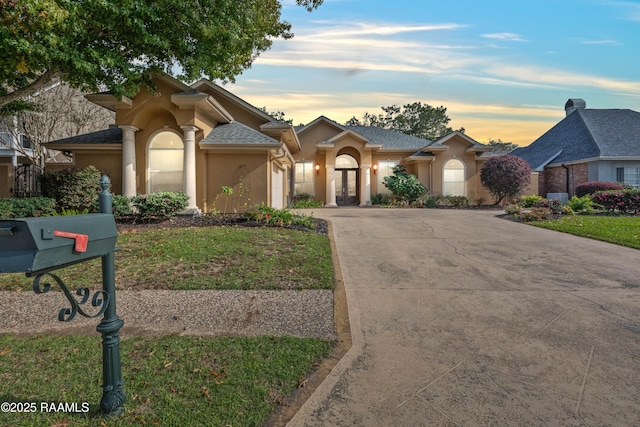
[587,145]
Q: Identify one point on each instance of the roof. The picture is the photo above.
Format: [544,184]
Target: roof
[586,134]
[389,139]
[112,135]
[237,133]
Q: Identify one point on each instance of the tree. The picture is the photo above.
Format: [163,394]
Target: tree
[505,176]
[404,185]
[502,146]
[56,112]
[417,119]
[278,115]
[118,44]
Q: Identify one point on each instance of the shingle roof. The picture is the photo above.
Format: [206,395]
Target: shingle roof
[237,133]
[584,134]
[108,136]
[390,139]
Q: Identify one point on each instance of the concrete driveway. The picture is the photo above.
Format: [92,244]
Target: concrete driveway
[462,318]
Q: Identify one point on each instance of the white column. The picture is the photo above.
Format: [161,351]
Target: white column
[129,160]
[331,187]
[189,170]
[365,185]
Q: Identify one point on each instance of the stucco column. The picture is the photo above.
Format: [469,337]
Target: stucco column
[189,170]
[129,160]
[331,187]
[365,185]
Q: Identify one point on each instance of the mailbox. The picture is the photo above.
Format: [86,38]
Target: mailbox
[33,245]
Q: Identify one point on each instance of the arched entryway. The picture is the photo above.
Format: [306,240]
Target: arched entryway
[165,162]
[347,180]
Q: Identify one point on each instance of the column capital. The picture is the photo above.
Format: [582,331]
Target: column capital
[187,128]
[129,128]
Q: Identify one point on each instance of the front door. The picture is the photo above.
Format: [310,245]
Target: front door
[346,187]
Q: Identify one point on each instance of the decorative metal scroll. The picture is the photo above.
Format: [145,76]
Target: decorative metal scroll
[100,299]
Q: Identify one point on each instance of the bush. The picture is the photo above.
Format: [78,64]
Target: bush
[505,176]
[404,185]
[382,199]
[581,205]
[625,201]
[121,205]
[513,209]
[535,214]
[426,201]
[554,205]
[26,207]
[164,204]
[589,188]
[305,201]
[73,189]
[280,217]
[454,201]
[530,201]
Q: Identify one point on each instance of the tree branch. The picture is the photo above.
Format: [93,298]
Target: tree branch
[39,83]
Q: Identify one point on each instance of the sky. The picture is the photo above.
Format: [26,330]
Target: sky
[503,69]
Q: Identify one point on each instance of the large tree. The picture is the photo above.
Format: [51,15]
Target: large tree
[417,119]
[117,44]
[505,176]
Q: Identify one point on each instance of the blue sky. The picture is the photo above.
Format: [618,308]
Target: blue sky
[503,69]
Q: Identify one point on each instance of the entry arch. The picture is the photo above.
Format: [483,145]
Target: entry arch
[347,178]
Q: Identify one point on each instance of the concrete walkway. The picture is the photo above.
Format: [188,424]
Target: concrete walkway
[462,318]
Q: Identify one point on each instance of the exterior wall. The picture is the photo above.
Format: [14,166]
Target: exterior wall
[457,149]
[557,179]
[246,174]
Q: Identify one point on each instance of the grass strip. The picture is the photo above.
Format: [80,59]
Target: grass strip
[171,381]
[207,258]
[621,230]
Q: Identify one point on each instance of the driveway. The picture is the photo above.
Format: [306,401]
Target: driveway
[462,318]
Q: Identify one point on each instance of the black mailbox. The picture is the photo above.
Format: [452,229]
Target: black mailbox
[33,245]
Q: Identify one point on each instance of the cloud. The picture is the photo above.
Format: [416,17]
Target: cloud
[512,37]
[600,42]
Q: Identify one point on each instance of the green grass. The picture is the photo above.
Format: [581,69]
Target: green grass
[207,258]
[169,381]
[621,230]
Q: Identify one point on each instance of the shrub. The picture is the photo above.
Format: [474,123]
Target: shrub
[280,217]
[121,205]
[305,201]
[529,201]
[426,201]
[535,214]
[513,209]
[625,201]
[581,205]
[453,201]
[382,199]
[164,204]
[404,185]
[588,188]
[75,189]
[26,207]
[505,176]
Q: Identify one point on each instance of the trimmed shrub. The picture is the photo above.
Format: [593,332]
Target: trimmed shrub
[535,214]
[384,199]
[505,176]
[305,201]
[26,207]
[121,205]
[588,188]
[625,201]
[73,189]
[554,205]
[514,209]
[279,217]
[163,204]
[454,201]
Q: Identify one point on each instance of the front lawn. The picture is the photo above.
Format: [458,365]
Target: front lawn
[169,381]
[621,230]
[207,258]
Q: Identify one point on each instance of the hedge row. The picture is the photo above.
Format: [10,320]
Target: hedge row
[625,201]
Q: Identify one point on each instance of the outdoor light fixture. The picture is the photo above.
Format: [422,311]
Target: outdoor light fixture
[375,168]
[317,169]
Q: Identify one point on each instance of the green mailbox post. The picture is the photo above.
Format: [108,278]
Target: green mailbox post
[37,246]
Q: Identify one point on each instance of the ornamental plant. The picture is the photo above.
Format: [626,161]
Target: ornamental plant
[164,204]
[505,176]
[404,185]
[588,188]
[73,189]
[624,201]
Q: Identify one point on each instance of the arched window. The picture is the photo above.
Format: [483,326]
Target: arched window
[346,161]
[453,178]
[165,154]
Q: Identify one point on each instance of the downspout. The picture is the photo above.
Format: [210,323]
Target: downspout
[567,169]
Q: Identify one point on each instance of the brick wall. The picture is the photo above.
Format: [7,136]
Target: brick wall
[554,180]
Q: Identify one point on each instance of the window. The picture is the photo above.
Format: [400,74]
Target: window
[345,161]
[166,153]
[304,178]
[384,169]
[629,176]
[453,178]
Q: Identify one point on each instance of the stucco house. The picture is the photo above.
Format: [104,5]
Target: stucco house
[200,138]
[587,145]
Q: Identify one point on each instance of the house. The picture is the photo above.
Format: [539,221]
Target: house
[200,138]
[17,174]
[587,145]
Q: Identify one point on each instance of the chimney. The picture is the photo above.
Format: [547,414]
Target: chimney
[573,104]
